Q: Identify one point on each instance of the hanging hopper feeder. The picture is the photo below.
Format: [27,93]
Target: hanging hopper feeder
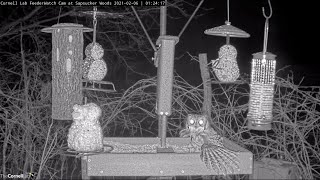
[226,67]
[67,55]
[94,68]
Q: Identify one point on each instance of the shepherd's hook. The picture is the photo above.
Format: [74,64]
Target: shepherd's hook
[266,29]
[270,7]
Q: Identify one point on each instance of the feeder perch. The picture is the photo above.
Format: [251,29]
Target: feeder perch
[261,91]
[103,86]
[67,55]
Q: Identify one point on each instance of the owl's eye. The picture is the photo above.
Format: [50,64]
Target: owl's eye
[201,122]
[191,121]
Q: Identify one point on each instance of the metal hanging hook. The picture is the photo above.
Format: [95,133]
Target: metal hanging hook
[266,28]
[263,11]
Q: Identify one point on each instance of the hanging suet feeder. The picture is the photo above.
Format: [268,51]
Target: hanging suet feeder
[67,55]
[262,85]
[94,68]
[226,67]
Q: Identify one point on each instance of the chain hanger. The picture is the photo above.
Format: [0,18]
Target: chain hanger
[94,23]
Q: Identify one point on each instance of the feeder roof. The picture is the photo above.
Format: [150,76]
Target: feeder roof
[227,30]
[66,26]
[259,55]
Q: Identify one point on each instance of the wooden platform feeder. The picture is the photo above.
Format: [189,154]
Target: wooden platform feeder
[139,157]
[158,156]
[147,157]
[67,56]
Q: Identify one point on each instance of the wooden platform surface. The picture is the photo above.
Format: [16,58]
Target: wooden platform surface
[158,164]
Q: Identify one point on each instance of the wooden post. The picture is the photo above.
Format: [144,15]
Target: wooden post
[207,97]
[67,57]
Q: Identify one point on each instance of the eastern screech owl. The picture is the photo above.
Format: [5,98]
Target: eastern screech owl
[213,153]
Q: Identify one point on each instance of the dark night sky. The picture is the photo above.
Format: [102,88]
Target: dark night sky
[290,33]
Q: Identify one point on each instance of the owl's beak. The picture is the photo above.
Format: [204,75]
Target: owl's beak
[192,137]
[198,131]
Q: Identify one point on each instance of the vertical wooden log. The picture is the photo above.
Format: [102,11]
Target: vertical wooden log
[207,90]
[67,56]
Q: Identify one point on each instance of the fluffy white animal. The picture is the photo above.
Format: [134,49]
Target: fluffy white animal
[85,133]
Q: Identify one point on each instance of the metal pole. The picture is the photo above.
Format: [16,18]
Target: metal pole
[163,118]
[163,130]
[163,19]
[228,39]
[144,29]
[191,17]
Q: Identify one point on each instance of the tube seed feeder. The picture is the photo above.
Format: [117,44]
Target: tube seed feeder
[262,85]
[226,67]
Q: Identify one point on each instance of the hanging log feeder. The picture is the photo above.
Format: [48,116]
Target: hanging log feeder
[67,55]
